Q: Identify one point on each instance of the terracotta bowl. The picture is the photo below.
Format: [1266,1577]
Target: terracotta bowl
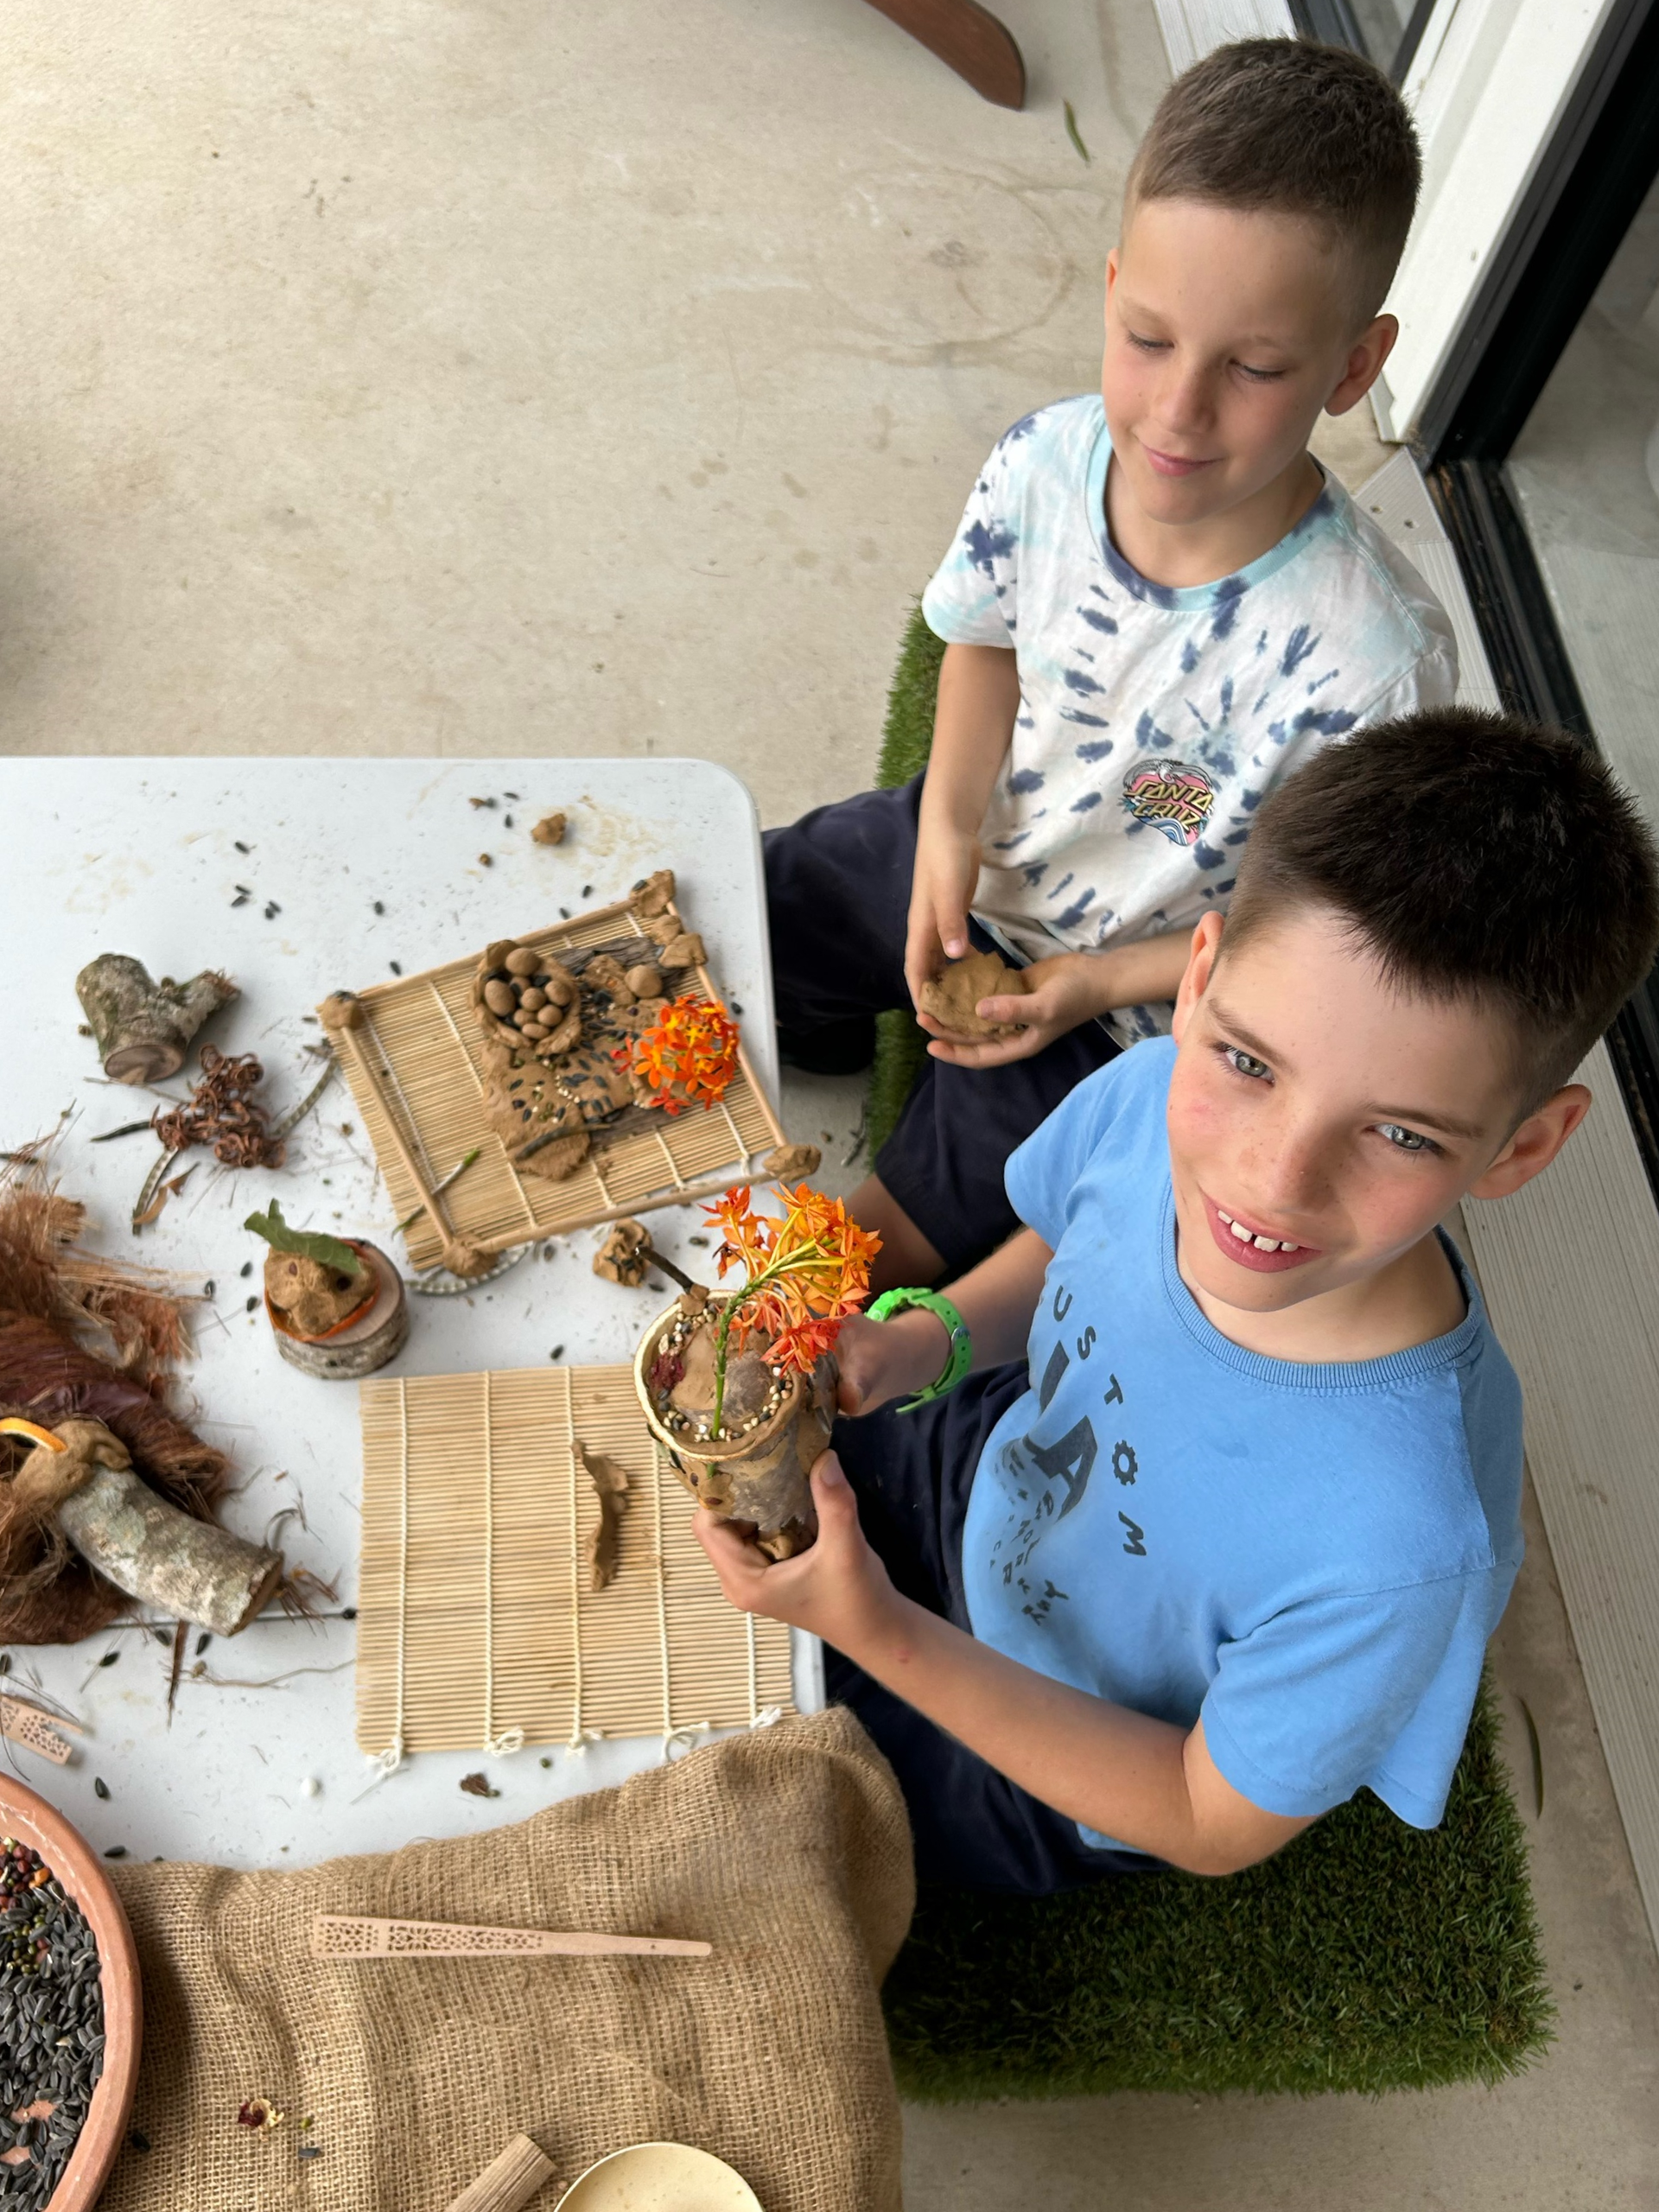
[65,1851]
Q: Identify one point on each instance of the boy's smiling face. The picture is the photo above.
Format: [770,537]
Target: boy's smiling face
[1227,332]
[1321,1122]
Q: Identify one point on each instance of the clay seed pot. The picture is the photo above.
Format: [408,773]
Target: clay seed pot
[760,1479]
[375,1331]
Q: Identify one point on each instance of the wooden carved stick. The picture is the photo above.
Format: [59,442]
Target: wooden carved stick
[507,2182]
[349,1935]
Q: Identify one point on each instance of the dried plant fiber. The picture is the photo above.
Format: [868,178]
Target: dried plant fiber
[787,1850]
[54,1300]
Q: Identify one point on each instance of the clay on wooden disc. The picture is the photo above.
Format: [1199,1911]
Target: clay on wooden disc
[951,998]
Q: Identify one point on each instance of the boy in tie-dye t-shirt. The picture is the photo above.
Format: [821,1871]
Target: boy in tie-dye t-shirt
[1158,606]
[1154,718]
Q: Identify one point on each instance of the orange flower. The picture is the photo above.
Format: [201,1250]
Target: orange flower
[806,1271]
[688,1057]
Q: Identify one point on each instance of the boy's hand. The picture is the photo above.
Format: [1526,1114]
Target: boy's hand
[1065,991]
[881,1360]
[838,1590]
[942,883]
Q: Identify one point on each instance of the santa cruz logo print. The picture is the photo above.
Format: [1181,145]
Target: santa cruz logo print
[1173,796]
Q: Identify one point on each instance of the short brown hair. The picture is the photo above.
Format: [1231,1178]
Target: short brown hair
[1476,856]
[1285,124]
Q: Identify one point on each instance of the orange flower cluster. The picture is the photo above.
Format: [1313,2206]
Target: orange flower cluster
[688,1055]
[806,1271]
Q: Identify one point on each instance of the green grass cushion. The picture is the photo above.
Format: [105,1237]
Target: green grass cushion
[1367,1956]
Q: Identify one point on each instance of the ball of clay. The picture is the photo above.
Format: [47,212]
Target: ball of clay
[498,996]
[684,950]
[952,998]
[522,961]
[533,1030]
[533,999]
[621,1258]
[549,830]
[645,980]
[559,987]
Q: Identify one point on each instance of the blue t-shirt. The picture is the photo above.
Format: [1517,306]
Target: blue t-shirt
[1310,1557]
[1153,718]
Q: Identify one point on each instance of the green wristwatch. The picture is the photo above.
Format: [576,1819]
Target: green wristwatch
[962,1345]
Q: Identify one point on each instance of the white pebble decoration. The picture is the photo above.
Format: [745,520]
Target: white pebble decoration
[310,1787]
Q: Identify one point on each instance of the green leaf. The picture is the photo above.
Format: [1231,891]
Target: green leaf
[308,1244]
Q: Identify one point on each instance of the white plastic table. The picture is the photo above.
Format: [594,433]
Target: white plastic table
[146,856]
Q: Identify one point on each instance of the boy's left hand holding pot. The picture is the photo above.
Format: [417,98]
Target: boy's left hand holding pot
[838,1590]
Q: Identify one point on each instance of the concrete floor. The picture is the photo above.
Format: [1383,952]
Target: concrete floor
[465,376]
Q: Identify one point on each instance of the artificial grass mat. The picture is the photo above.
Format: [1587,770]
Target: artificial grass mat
[1369,1955]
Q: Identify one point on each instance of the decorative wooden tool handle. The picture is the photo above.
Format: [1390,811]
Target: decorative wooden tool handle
[27,1726]
[509,2182]
[346,1935]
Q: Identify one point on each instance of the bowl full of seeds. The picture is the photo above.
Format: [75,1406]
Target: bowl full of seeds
[71,2011]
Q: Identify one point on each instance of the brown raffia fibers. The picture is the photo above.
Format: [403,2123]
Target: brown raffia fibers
[56,1303]
[788,1850]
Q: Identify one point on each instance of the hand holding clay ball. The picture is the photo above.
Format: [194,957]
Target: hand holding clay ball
[952,999]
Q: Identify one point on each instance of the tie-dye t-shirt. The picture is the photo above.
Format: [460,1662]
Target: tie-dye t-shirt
[1152,719]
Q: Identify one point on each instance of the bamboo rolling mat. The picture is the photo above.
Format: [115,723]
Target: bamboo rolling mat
[416,1070]
[476,1628]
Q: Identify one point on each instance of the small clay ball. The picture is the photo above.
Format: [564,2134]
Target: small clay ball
[533,1030]
[645,980]
[559,988]
[522,961]
[522,1016]
[533,1001]
[498,996]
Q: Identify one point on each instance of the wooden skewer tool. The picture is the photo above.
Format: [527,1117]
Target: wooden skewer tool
[348,1935]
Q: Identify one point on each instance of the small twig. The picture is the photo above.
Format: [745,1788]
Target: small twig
[180,1631]
[455,1172]
[126,1129]
[653,1258]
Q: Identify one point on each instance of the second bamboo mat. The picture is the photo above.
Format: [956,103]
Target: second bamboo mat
[475,1617]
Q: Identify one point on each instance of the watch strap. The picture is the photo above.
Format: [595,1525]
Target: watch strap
[961,1356]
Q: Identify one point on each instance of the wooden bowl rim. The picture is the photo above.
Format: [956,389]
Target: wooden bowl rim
[31,1819]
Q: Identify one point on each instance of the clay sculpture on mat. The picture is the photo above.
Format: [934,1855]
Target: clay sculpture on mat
[952,999]
[610,1484]
[740,1388]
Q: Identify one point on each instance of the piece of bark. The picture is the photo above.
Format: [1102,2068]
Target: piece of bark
[144,1028]
[621,1257]
[194,1570]
[610,1485]
[952,998]
[785,1160]
[549,830]
[684,950]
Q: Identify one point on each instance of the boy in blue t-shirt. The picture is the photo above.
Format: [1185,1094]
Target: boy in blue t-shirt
[1157,606]
[1227,1544]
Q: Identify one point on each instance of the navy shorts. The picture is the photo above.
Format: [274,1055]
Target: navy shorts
[838,894]
[972,1827]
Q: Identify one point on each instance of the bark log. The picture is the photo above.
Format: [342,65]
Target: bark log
[193,1570]
[144,1028]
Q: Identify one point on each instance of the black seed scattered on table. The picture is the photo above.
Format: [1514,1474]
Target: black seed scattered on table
[564,913]
[162,1635]
[109,1659]
[246,889]
[209,1287]
[251,1303]
[100,1788]
[701,1242]
[735,1008]
[506,822]
[558,1352]
[273,910]
[116,1851]
[5,1663]
[395,966]
[246,1268]
[587,890]
[348,1612]
[241,848]
[547,1762]
[508,794]
[241,899]
[202,1642]
[378,908]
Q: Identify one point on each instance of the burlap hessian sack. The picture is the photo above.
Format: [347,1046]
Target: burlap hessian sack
[787,1849]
